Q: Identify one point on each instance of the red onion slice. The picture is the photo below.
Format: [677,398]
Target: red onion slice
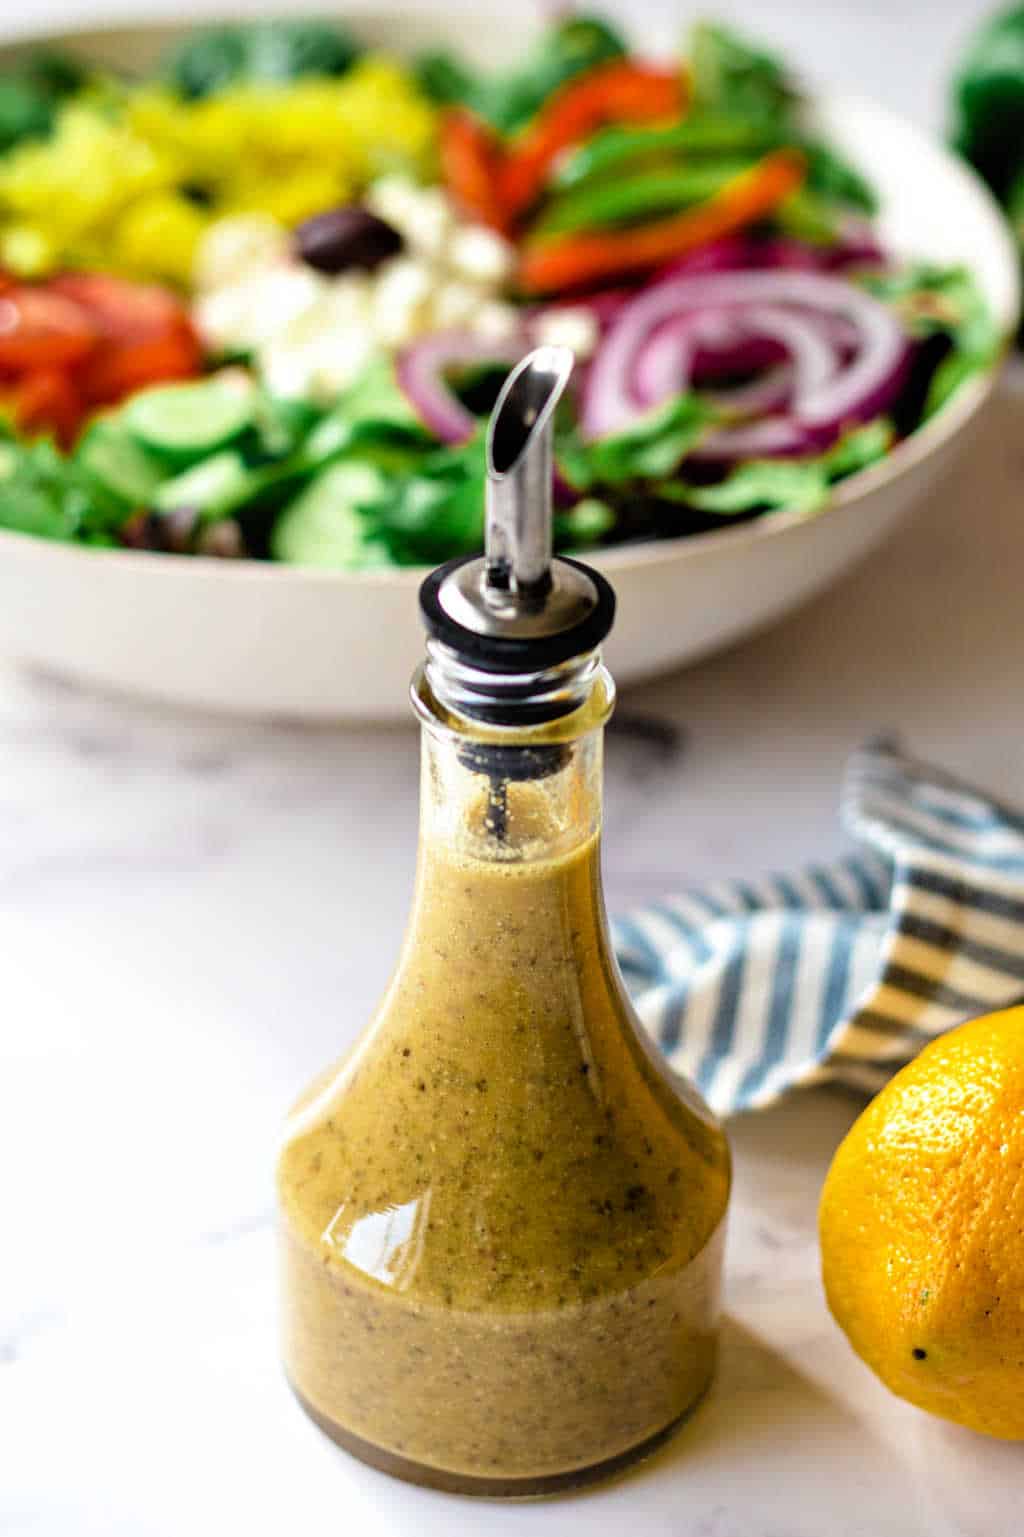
[421,368]
[666,364]
[773,391]
[830,390]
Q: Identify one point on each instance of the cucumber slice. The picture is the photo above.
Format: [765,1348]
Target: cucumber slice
[323,526]
[117,466]
[209,486]
[189,421]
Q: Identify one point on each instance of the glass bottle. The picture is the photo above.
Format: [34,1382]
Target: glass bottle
[502,1218]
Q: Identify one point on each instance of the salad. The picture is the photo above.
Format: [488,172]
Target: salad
[260,304]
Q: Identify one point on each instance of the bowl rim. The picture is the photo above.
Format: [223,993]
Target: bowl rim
[925,440]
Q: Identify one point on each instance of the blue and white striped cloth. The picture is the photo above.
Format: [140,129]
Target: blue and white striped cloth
[844,971]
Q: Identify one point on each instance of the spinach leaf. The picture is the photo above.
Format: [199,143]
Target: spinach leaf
[31,90]
[210,60]
[435,511]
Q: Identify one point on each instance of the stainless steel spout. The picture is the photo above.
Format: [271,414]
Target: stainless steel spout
[519,476]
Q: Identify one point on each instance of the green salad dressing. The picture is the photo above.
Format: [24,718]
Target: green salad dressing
[502,1218]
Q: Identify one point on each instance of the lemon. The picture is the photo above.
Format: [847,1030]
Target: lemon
[922,1229]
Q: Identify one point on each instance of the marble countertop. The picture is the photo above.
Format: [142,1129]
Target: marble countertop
[196,914]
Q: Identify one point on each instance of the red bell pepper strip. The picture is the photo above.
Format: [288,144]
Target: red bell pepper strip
[617,92]
[471,160]
[605,256]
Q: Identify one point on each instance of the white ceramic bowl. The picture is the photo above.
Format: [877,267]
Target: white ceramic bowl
[263,639]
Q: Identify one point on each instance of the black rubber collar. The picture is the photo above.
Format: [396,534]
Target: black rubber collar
[502,653]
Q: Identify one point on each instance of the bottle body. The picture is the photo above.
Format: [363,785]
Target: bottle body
[501,1219]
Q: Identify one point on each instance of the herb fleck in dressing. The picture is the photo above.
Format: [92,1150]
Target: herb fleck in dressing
[502,1219]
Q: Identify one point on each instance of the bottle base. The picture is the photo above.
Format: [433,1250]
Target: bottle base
[529,1488]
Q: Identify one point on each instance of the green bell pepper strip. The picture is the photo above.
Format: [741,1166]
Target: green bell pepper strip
[628,151]
[613,149]
[639,197]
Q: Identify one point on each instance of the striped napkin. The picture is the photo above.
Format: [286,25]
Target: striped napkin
[844,971]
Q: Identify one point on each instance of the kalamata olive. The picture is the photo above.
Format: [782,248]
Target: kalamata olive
[344,238]
[170,533]
[222,539]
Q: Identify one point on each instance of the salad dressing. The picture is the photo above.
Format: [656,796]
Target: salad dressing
[502,1218]
[503,1221]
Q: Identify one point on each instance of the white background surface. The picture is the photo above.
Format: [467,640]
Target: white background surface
[195,915]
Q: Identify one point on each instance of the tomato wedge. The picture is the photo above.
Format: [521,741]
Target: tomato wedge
[42,330]
[46,402]
[120,310]
[116,371]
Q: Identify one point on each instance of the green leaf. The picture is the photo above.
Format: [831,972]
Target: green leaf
[797,485]
[860,447]
[436,511]
[41,492]
[946,380]
[373,414]
[834,179]
[214,58]
[585,524]
[931,300]
[731,75]
[649,449]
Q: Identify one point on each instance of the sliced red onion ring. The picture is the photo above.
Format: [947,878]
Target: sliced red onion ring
[421,371]
[773,391]
[665,364]
[717,344]
[824,398]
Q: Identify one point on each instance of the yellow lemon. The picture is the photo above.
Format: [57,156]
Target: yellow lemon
[922,1229]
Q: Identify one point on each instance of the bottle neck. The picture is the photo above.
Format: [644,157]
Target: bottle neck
[511,794]
[512,699]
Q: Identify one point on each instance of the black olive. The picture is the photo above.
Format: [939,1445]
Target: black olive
[222,539]
[344,238]
[170,533]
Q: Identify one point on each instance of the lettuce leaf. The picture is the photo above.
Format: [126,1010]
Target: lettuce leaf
[796,485]
[649,449]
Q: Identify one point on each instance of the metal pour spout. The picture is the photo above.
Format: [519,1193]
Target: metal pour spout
[519,475]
